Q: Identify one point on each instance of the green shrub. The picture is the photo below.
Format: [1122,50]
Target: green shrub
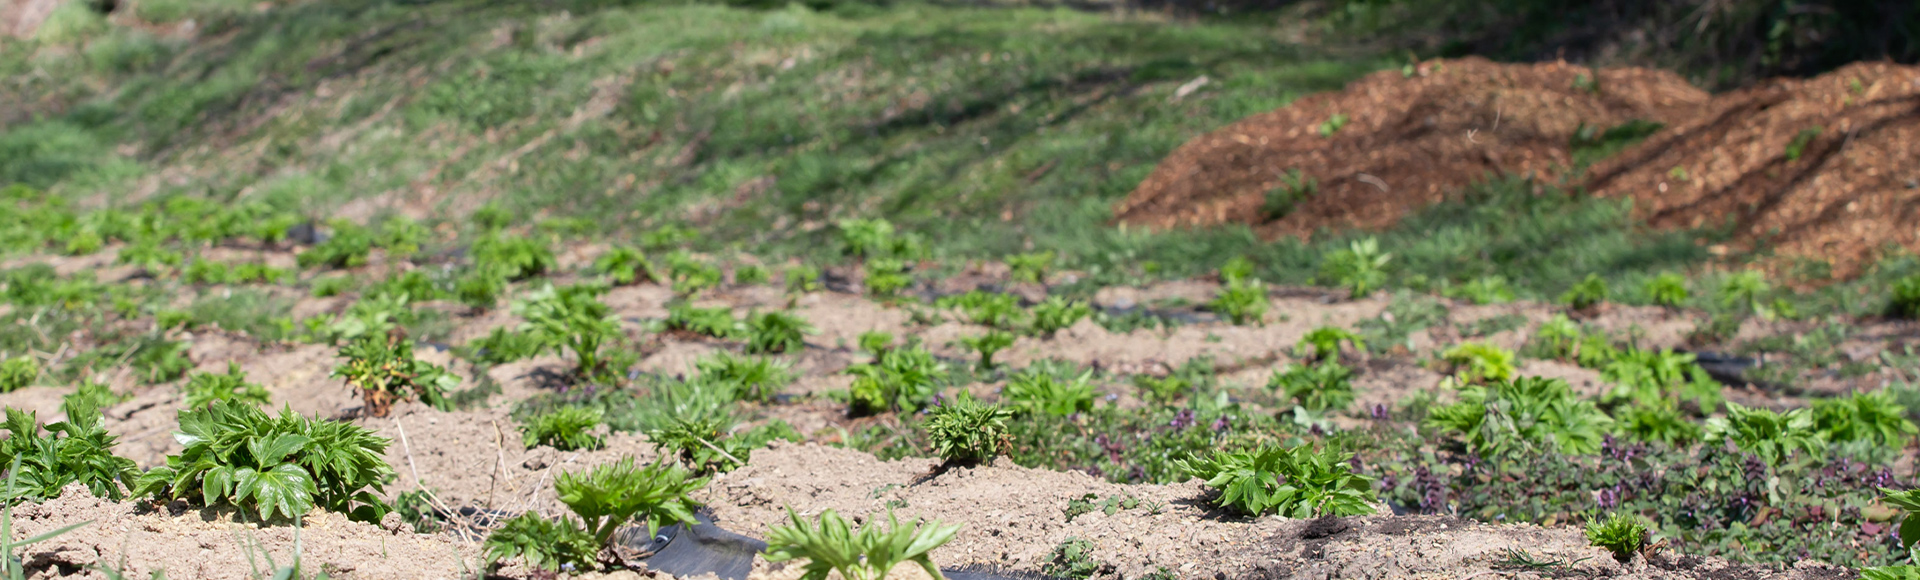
[749,378]
[1323,343]
[1294,482]
[203,388]
[1587,294]
[18,373]
[966,430]
[1030,267]
[1525,411]
[717,322]
[1361,267]
[1055,314]
[566,429]
[612,494]
[550,545]
[1873,417]
[383,370]
[1036,391]
[776,332]
[986,345]
[1479,362]
[1242,302]
[1326,386]
[1905,300]
[236,455]
[1668,289]
[1765,433]
[572,317]
[77,450]
[513,257]
[1483,290]
[868,554]
[1622,534]
[899,379]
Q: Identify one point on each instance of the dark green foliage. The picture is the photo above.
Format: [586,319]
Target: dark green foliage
[18,373]
[1526,411]
[573,318]
[749,378]
[546,544]
[565,429]
[1037,391]
[1588,293]
[513,257]
[383,370]
[203,388]
[1294,482]
[480,288]
[1622,534]
[776,332]
[966,430]
[91,396]
[899,379]
[1325,386]
[1768,434]
[237,455]
[1905,299]
[1873,417]
[612,494]
[75,450]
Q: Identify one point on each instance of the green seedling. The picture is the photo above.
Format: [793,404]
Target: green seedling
[874,342]
[1242,302]
[1874,417]
[502,346]
[717,322]
[1326,386]
[965,430]
[613,494]
[1295,187]
[1030,268]
[566,429]
[1294,482]
[18,373]
[1798,145]
[691,275]
[1073,560]
[1523,412]
[868,554]
[383,370]
[899,379]
[750,275]
[1479,362]
[514,258]
[159,362]
[776,332]
[77,450]
[1745,291]
[1768,434]
[574,319]
[1039,392]
[987,344]
[1163,389]
[1333,124]
[550,545]
[1589,293]
[1323,343]
[993,310]
[748,378]
[1668,289]
[1361,267]
[203,388]
[350,247]
[1056,314]
[237,455]
[92,396]
[624,265]
[1621,534]
[887,277]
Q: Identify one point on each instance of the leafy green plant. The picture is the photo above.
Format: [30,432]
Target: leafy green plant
[1056,313]
[1036,391]
[203,388]
[749,378]
[401,236]
[776,332]
[162,361]
[1031,267]
[1589,293]
[1483,290]
[91,396]
[1242,301]
[1765,433]
[1361,267]
[717,322]
[1621,534]
[691,275]
[348,248]
[668,236]
[1295,187]
[1072,559]
[1658,421]
[612,494]
[150,256]
[18,373]
[567,428]
[1525,411]
[989,309]
[625,265]
[1294,482]
[1874,417]
[513,257]
[965,430]
[1479,362]
[750,274]
[1745,291]
[572,317]
[1890,573]
[899,379]
[887,277]
[987,344]
[1668,289]
[235,454]
[1908,502]
[802,279]
[77,450]
[415,285]
[868,239]
[868,554]
[1648,377]
[1317,388]
[1905,299]
[1163,389]
[1323,343]
[550,545]
[875,342]
[503,345]
[383,370]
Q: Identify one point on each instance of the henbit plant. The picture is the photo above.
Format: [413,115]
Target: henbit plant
[776,332]
[1030,267]
[568,428]
[749,378]
[203,388]
[1904,301]
[1621,534]
[573,318]
[18,373]
[1765,433]
[1323,343]
[899,379]
[1483,290]
[1036,391]
[515,258]
[1242,302]
[383,370]
[1295,482]
[1669,289]
[886,277]
[1326,386]
[868,554]
[964,430]
[1589,293]
[986,345]
[1874,417]
[612,494]
[235,454]
[625,265]
[1479,362]
[549,545]
[1523,412]
[77,450]
[1361,267]
[1056,313]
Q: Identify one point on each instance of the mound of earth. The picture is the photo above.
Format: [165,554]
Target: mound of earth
[1408,140]
[1826,168]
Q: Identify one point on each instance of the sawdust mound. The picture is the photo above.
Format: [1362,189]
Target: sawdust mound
[1408,141]
[1825,168]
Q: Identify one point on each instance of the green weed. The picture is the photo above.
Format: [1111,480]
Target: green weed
[1294,482]
[383,370]
[565,429]
[1036,391]
[966,430]
[1621,534]
[868,554]
[986,345]
[203,388]
[236,455]
[1905,299]
[776,332]
[1295,187]
[1525,411]
[18,373]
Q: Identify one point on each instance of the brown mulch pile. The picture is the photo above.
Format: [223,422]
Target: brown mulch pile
[1408,142]
[1825,168]
[1850,188]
